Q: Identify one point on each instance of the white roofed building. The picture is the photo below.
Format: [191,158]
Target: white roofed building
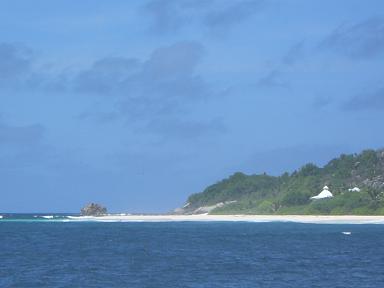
[323,194]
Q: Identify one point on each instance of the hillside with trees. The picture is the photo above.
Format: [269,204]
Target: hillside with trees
[290,193]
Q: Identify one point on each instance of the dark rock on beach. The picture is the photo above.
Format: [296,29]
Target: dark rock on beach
[93,209]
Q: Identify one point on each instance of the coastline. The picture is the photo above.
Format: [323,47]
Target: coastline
[314,219]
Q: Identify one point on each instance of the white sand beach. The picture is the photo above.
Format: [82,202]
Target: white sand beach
[345,219]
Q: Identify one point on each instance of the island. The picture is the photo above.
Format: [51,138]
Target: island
[348,185]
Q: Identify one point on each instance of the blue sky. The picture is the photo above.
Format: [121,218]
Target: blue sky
[138,104]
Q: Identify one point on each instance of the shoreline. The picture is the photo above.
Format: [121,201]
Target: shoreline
[314,219]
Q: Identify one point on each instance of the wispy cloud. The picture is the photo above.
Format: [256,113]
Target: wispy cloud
[272,80]
[15,62]
[19,69]
[169,16]
[223,18]
[106,75]
[322,102]
[294,54]
[368,101]
[364,40]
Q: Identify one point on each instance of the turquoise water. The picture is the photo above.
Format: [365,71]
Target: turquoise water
[189,254]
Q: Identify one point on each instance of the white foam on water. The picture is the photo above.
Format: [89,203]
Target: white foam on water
[1,216]
[96,219]
[48,216]
[82,218]
[346,233]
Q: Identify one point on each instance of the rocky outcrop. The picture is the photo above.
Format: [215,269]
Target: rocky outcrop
[376,182]
[186,209]
[93,209]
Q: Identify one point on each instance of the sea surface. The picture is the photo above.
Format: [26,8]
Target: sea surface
[55,252]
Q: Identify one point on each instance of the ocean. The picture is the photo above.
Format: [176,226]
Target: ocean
[54,252]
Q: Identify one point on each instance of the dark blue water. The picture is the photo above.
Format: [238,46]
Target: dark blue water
[91,254]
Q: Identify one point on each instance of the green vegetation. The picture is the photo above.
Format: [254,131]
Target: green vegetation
[290,193]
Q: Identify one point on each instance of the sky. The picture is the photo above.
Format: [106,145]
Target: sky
[138,104]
